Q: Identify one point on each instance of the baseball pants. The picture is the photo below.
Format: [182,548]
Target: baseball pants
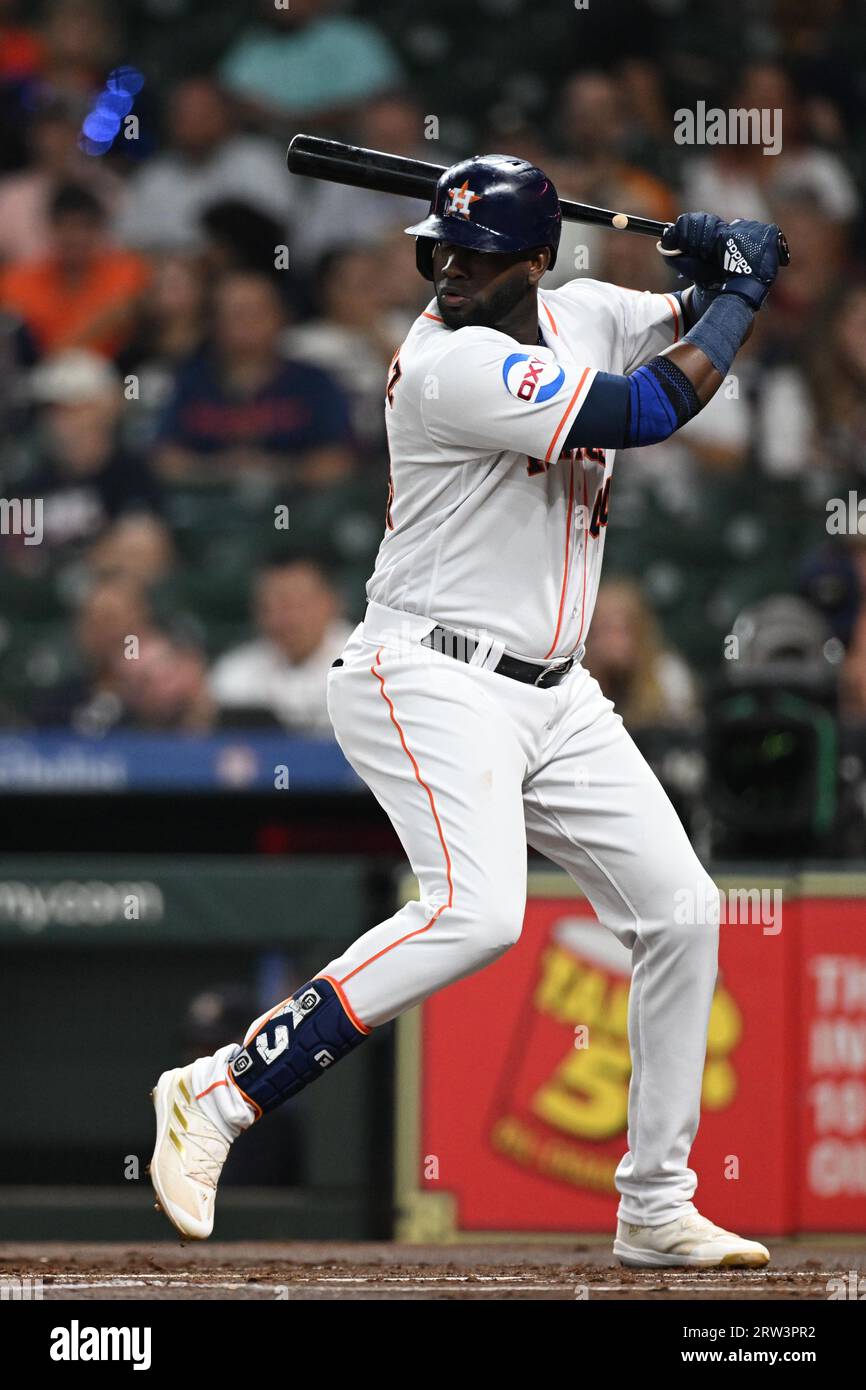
[470,766]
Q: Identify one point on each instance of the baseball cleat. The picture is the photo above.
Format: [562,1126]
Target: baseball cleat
[188,1156]
[690,1239]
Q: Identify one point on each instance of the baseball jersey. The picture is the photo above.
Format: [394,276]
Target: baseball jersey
[490,525]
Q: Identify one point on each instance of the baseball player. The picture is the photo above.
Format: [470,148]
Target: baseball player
[461,699]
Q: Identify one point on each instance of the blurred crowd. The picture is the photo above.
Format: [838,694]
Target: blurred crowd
[193,344]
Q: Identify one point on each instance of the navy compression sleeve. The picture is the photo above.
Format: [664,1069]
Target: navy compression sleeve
[643,408]
[649,404]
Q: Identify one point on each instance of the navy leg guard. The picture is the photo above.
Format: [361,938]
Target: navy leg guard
[306,1034]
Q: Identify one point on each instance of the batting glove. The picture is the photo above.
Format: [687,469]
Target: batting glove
[691,242]
[740,256]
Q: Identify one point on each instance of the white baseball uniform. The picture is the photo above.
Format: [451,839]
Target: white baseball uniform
[492,532]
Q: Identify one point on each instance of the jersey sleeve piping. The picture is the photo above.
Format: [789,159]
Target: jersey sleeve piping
[677,311]
[577,399]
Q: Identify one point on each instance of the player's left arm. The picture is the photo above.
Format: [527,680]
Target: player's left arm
[648,404]
[701,248]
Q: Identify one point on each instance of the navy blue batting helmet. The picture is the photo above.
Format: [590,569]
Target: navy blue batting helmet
[491,202]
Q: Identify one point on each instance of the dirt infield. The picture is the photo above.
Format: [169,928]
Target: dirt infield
[262,1270]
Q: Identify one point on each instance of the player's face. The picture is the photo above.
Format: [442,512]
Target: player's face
[479,287]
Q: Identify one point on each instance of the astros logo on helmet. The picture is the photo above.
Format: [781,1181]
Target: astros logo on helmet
[460,198]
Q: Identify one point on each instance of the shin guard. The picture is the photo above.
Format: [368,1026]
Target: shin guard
[294,1045]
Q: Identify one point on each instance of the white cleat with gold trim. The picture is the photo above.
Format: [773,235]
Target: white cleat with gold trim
[689,1240]
[188,1156]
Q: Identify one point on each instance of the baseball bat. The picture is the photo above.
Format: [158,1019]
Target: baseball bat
[316,158]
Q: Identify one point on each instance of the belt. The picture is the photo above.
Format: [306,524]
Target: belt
[461,647]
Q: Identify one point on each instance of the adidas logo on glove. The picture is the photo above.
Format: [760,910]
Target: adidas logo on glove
[735,260]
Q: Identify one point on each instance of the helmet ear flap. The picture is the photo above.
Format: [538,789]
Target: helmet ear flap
[424,255]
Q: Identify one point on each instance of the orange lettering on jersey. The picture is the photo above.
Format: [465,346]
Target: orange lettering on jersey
[591,456]
[395,371]
[534,466]
[600,510]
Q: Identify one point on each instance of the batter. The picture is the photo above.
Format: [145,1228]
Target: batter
[461,699]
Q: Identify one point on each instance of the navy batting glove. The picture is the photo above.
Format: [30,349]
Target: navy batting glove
[714,252]
[752,290]
[691,243]
[749,252]
[749,248]
[694,234]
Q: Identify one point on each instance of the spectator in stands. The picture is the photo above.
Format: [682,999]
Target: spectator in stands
[648,683]
[301,62]
[207,160]
[241,237]
[837,373]
[354,336]
[164,689]
[55,160]
[820,263]
[592,166]
[80,45]
[647,134]
[73,460]
[138,548]
[402,288]
[285,669]
[336,214]
[243,411]
[113,611]
[739,180]
[630,261]
[83,293]
[171,328]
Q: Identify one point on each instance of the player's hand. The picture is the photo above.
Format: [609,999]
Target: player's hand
[742,255]
[691,243]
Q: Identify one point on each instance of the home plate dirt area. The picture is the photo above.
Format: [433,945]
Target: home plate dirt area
[386,1271]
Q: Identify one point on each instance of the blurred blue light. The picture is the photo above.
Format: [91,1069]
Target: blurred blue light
[120,103]
[94,147]
[125,79]
[102,126]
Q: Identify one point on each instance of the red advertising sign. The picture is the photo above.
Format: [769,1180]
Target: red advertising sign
[524,1069]
[831,1099]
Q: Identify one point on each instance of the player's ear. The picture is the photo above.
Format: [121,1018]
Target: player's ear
[538,263]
